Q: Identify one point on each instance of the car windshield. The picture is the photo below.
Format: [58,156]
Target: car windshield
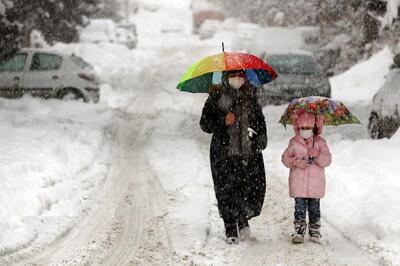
[80,62]
[293,64]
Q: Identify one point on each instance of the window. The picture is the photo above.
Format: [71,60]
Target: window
[15,64]
[41,62]
[293,64]
[80,62]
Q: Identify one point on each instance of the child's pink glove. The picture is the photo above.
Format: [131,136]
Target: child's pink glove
[302,164]
[313,153]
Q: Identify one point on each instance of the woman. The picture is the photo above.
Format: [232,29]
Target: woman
[234,117]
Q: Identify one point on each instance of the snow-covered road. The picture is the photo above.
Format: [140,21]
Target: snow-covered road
[155,204]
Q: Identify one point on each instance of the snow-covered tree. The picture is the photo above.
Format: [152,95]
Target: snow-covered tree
[108,9]
[273,13]
[10,34]
[392,12]
[57,20]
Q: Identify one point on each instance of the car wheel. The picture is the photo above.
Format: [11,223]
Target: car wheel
[71,94]
[375,127]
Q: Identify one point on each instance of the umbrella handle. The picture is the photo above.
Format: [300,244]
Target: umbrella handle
[223,47]
[315,131]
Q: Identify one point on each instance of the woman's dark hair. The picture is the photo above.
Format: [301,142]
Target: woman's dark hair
[226,74]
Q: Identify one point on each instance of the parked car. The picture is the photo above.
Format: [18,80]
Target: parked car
[299,75]
[385,118]
[48,74]
[105,30]
[126,37]
[98,31]
[209,28]
[244,34]
[205,10]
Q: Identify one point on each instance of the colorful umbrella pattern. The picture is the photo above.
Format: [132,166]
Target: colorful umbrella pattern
[334,112]
[208,71]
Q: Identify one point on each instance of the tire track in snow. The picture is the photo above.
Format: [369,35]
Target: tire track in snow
[120,212]
[335,249]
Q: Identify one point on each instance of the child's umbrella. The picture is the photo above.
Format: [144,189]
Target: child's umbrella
[333,112]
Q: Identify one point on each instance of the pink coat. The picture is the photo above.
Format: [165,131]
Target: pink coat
[308,182]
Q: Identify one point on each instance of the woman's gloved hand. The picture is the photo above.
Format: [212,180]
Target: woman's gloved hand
[299,163]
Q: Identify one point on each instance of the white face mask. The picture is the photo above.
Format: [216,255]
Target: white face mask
[305,134]
[236,82]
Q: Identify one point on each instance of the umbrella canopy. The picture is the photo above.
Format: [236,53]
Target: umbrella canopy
[208,71]
[334,112]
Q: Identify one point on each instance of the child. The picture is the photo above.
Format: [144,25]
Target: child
[307,155]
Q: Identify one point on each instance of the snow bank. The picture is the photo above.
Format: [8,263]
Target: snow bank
[362,81]
[52,158]
[105,57]
[364,192]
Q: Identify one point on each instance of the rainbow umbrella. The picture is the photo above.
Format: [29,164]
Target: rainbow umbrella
[334,112]
[202,75]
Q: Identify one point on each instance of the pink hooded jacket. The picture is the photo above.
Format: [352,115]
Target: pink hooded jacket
[308,182]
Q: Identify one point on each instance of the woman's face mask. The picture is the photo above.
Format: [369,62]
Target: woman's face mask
[306,133]
[236,82]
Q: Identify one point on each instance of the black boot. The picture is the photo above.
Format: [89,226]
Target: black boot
[231,232]
[244,230]
[243,223]
[299,232]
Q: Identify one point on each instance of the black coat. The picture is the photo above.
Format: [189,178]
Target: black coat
[239,182]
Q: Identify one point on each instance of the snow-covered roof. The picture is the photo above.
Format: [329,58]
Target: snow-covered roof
[288,51]
[277,38]
[39,50]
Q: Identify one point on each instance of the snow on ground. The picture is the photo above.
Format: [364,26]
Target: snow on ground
[363,188]
[53,157]
[46,143]
[360,83]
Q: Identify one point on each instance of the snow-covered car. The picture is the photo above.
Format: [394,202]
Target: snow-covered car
[131,34]
[205,10]
[105,30]
[125,36]
[244,33]
[385,115]
[209,28]
[278,38]
[98,31]
[48,74]
[299,75]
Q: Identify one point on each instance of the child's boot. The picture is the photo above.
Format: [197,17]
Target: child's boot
[299,232]
[314,231]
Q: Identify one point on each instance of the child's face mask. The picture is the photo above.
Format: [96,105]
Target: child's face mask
[306,133]
[236,82]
